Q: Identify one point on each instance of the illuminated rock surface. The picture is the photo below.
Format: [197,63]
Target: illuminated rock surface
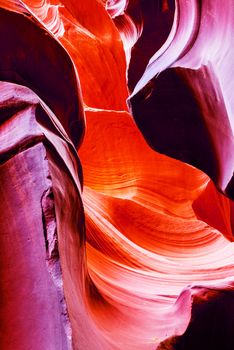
[151,266]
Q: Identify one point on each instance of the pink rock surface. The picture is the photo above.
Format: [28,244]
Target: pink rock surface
[143,258]
[32,313]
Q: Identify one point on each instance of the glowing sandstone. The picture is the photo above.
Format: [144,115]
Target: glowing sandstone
[155,268]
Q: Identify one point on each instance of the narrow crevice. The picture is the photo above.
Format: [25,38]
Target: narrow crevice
[53,259]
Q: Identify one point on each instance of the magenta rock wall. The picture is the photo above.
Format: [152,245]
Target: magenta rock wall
[116,175]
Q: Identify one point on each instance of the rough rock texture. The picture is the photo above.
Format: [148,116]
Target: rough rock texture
[43,265]
[32,298]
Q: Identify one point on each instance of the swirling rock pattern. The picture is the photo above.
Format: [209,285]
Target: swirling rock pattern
[129,245]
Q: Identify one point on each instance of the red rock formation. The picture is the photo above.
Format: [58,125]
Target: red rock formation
[151,264]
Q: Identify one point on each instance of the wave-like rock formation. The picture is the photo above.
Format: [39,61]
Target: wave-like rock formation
[192,70]
[116,175]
